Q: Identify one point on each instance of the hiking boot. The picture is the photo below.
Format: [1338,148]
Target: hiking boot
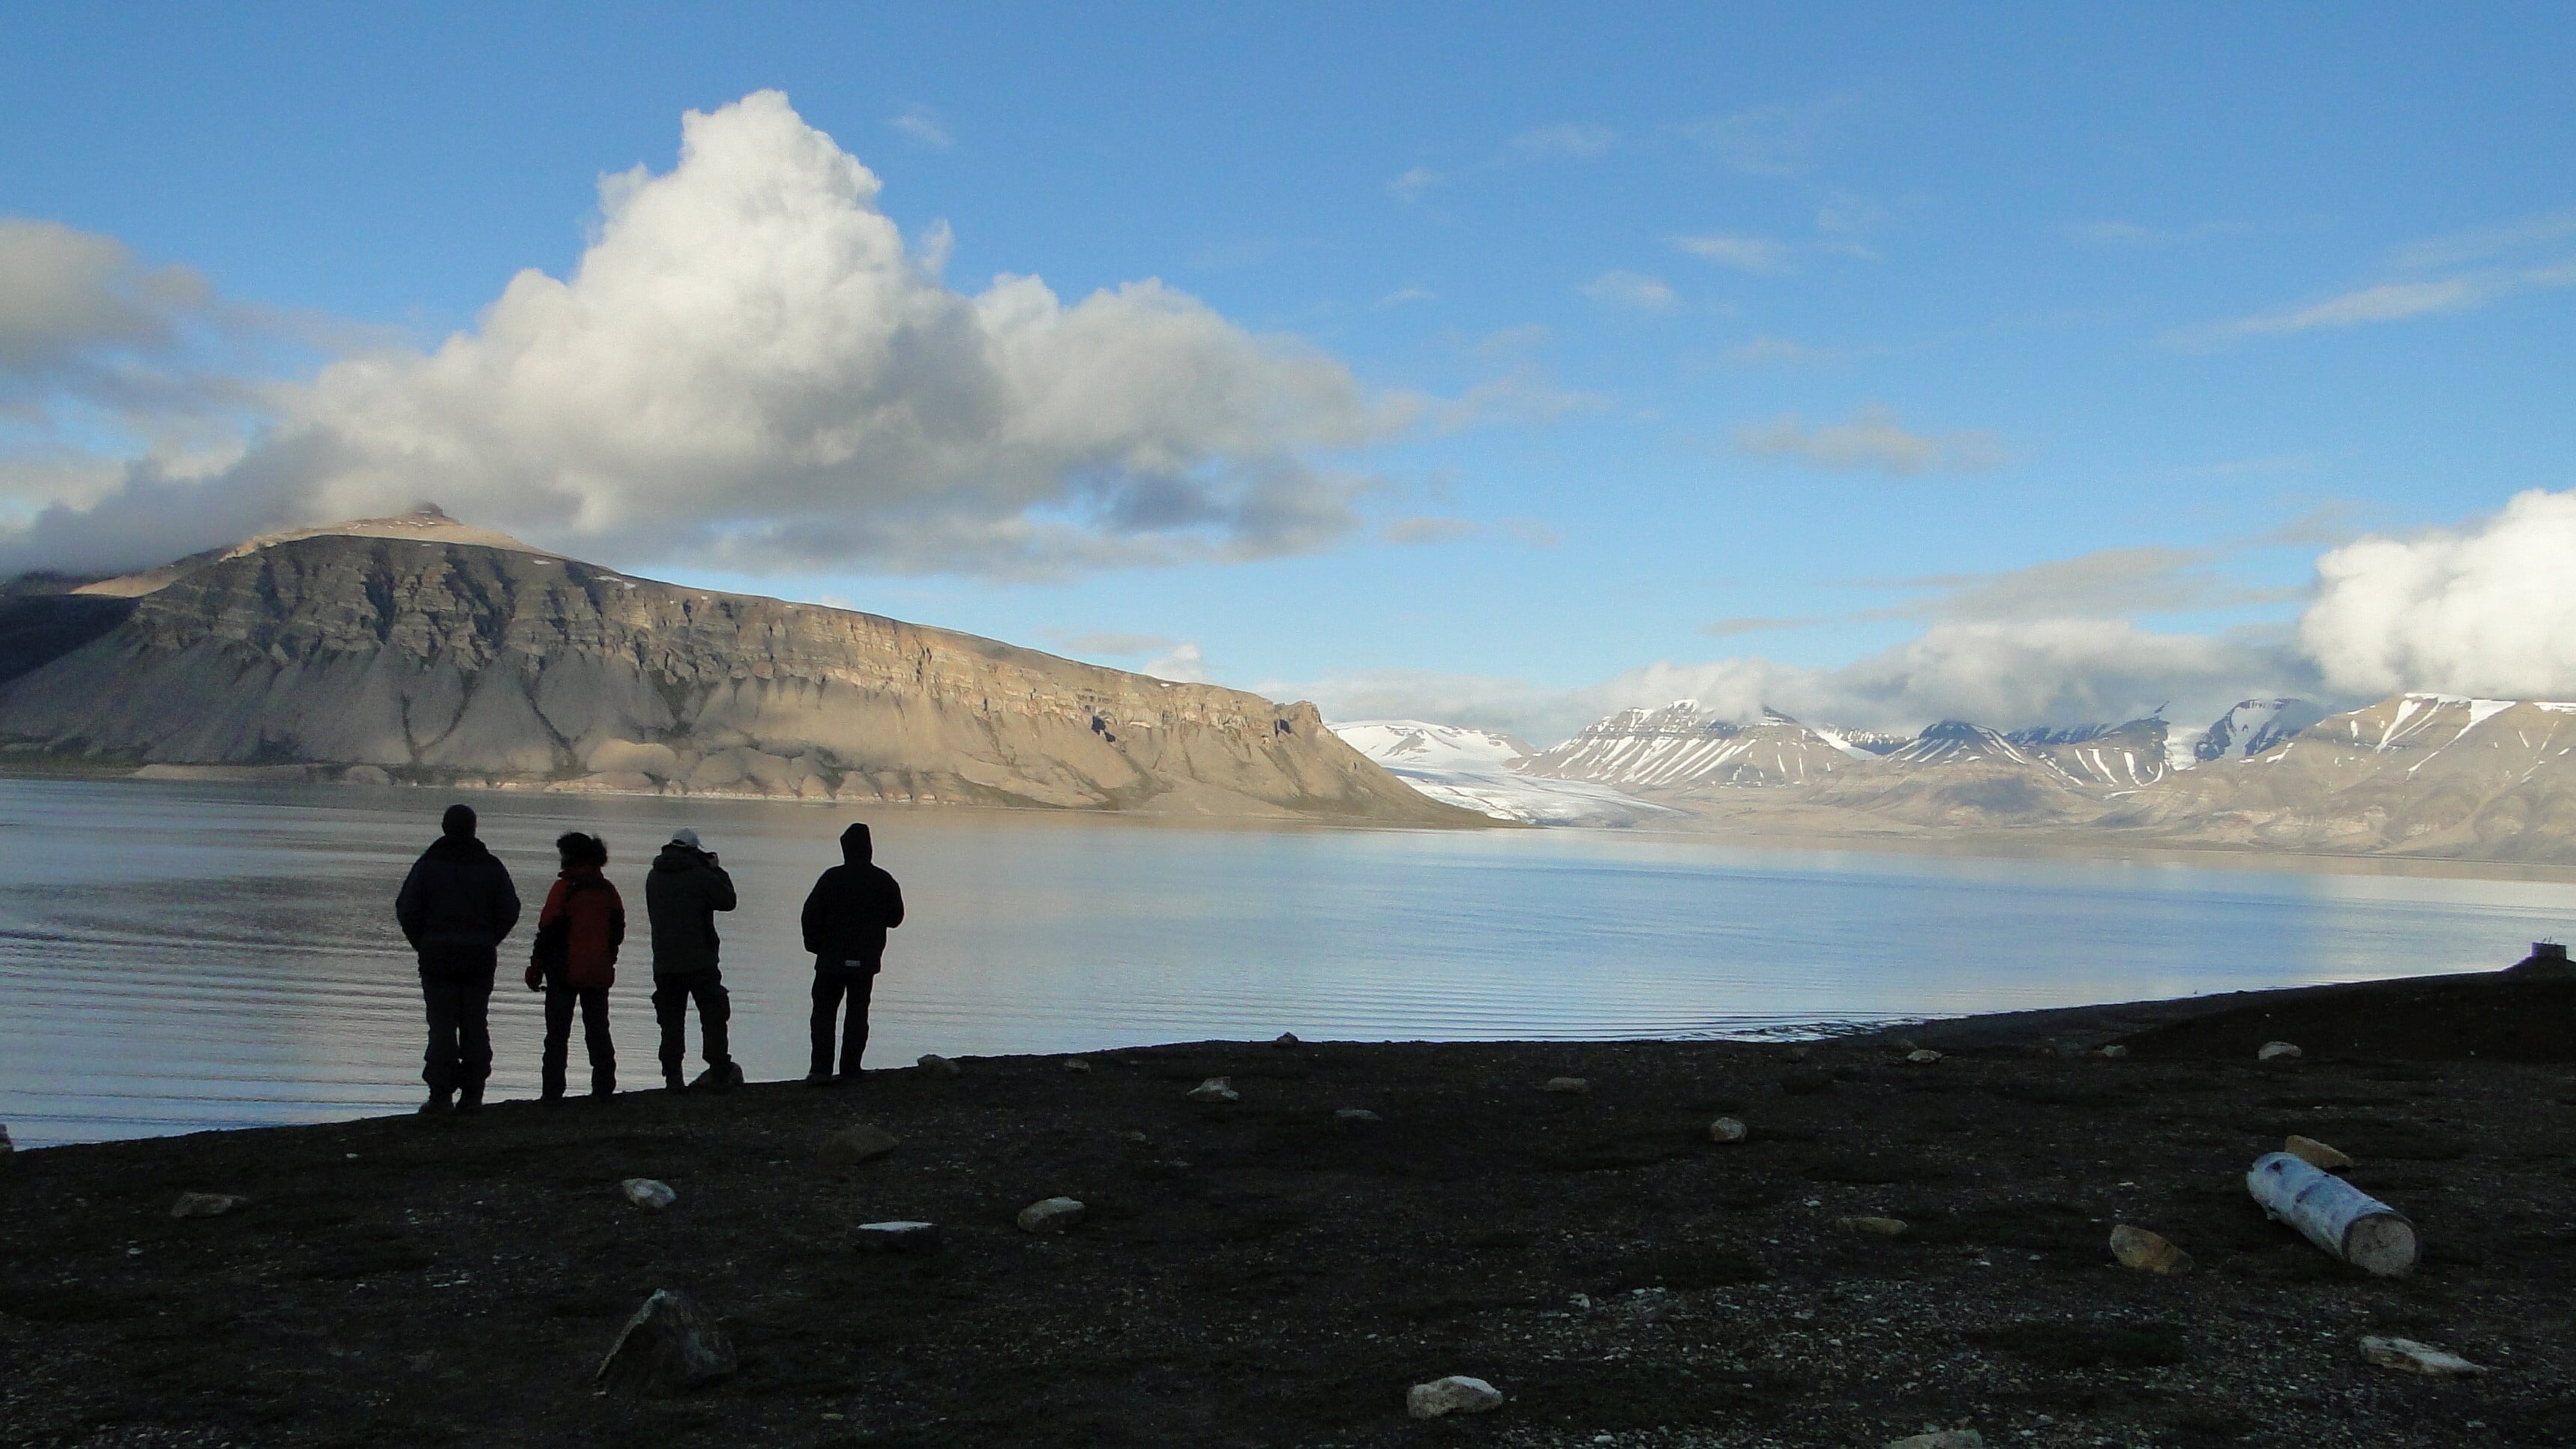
[720,1077]
[604,1087]
[470,1099]
[435,1106]
[672,1081]
[818,1079]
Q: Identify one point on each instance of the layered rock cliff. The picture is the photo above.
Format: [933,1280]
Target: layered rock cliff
[393,653]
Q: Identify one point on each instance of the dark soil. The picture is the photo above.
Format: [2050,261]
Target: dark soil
[1261,1274]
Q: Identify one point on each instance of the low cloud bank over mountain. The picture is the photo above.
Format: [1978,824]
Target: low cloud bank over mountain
[2490,609]
[750,366]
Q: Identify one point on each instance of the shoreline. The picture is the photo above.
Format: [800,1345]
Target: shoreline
[1711,832]
[1267,1272]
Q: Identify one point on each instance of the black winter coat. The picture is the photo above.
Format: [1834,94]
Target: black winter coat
[456,906]
[851,908]
[682,893]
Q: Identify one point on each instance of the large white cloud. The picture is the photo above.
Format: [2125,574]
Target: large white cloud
[2486,610]
[750,366]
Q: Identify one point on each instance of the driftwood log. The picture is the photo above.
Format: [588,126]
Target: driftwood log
[2333,1214]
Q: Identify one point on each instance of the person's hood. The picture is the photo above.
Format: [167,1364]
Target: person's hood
[579,872]
[457,848]
[856,848]
[676,856]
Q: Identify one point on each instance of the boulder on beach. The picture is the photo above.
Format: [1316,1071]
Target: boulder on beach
[645,1192]
[932,1064]
[2148,1251]
[1456,1394]
[859,1142]
[1051,1215]
[899,1236]
[670,1346]
[1728,1129]
[205,1204]
[1214,1089]
[1566,1086]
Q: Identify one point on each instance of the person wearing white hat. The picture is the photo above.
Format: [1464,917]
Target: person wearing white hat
[682,893]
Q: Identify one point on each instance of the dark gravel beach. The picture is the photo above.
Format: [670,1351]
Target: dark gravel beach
[1262,1272]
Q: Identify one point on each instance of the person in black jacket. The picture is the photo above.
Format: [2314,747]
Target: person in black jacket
[846,920]
[682,893]
[455,907]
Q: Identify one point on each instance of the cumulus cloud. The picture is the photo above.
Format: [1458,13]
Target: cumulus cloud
[1870,440]
[749,367]
[2484,610]
[1182,664]
[1745,253]
[67,296]
[2005,674]
[1633,290]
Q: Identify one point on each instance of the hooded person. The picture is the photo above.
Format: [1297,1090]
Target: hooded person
[574,962]
[846,919]
[682,893]
[455,908]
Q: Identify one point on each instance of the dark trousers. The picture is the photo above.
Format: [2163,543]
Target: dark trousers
[831,987]
[460,1036]
[671,998]
[593,1000]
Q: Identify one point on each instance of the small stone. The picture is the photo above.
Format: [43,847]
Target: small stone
[1728,1129]
[2114,1051]
[2316,1154]
[1076,1064]
[1872,1227]
[857,1143]
[205,1204]
[935,1065]
[1923,1056]
[2136,1247]
[899,1236]
[1456,1394]
[2278,1051]
[1361,1115]
[644,1192]
[670,1346]
[1565,1086]
[1051,1215]
[2409,1357]
[1941,1439]
[1286,1041]
[1132,1135]
[1806,1081]
[1214,1089]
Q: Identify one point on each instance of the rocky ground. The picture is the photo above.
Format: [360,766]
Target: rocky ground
[1262,1272]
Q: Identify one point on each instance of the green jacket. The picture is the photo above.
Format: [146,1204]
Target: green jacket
[682,893]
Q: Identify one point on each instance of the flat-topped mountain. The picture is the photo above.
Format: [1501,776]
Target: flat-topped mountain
[398,650]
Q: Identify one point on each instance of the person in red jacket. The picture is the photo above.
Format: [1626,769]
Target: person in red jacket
[575,961]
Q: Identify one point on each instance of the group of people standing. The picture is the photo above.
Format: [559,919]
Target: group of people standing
[458,905]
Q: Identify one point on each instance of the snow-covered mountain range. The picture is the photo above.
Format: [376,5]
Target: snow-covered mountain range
[2412,774]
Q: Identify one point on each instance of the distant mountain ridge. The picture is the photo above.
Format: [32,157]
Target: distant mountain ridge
[2414,774]
[410,650]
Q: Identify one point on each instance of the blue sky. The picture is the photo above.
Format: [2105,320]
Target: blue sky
[1876,362]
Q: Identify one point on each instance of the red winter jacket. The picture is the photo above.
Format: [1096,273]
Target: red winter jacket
[597,917]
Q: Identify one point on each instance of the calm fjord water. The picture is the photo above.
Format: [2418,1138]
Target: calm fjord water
[177,956]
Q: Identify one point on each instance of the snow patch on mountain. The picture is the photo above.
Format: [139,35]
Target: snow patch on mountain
[2251,728]
[1471,769]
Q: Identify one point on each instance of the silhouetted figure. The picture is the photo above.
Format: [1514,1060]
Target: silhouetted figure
[574,961]
[455,907]
[682,894]
[846,919]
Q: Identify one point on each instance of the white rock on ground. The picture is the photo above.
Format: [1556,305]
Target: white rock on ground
[1566,1086]
[934,1065]
[1355,1114]
[205,1204]
[670,1346]
[2274,1051]
[1051,1215]
[644,1192]
[1076,1064]
[1923,1056]
[2409,1357]
[1215,1089]
[2115,1051]
[1456,1394]
[1728,1129]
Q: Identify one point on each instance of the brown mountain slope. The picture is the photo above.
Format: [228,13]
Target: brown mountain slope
[425,659]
